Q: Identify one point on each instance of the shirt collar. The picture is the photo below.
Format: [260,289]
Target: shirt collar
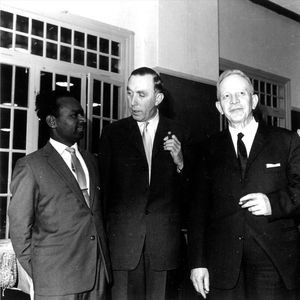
[60,147]
[153,122]
[249,130]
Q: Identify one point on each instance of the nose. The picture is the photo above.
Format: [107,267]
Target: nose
[132,99]
[235,99]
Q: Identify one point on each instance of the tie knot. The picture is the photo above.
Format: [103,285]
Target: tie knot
[71,150]
[240,136]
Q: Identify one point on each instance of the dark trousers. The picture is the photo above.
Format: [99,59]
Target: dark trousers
[143,283]
[258,280]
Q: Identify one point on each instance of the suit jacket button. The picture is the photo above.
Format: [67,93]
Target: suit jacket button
[92,237]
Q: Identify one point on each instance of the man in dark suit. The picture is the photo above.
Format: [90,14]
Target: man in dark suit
[144,164]
[243,235]
[55,213]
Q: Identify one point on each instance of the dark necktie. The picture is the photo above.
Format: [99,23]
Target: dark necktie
[77,168]
[148,146]
[242,154]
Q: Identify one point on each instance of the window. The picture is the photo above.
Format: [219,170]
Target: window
[89,58]
[272,90]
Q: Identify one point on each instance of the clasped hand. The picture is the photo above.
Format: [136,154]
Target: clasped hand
[172,144]
[256,203]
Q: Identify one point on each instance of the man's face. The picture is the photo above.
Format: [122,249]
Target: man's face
[236,102]
[70,123]
[142,98]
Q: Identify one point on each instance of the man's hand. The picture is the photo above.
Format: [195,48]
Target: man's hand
[200,280]
[257,203]
[172,144]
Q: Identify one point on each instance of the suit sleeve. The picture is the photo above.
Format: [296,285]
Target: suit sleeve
[286,202]
[21,212]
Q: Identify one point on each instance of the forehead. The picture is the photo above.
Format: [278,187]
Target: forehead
[141,82]
[234,82]
[68,103]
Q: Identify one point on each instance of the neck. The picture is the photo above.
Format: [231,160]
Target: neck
[241,125]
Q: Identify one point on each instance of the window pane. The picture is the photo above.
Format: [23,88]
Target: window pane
[65,35]
[37,28]
[6,19]
[21,42]
[103,62]
[22,24]
[15,157]
[274,90]
[78,57]
[3,204]
[97,98]
[37,47]
[92,60]
[114,65]
[21,86]
[51,50]
[4,172]
[115,48]
[75,87]
[262,99]
[5,83]
[46,81]
[20,121]
[104,45]
[268,88]
[5,39]
[275,102]
[92,42]
[95,135]
[262,86]
[268,100]
[115,102]
[79,39]
[52,32]
[106,100]
[4,127]
[65,53]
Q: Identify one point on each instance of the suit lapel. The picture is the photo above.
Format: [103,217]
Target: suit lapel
[60,167]
[161,132]
[135,136]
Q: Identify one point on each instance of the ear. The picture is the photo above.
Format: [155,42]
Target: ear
[159,98]
[219,107]
[51,121]
[254,101]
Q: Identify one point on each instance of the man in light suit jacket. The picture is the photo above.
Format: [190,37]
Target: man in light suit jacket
[243,235]
[56,226]
[142,192]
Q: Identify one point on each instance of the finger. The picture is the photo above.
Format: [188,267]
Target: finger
[248,197]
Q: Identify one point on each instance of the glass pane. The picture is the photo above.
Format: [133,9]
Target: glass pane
[106,100]
[22,24]
[46,81]
[6,19]
[115,48]
[97,98]
[92,60]
[262,99]
[115,65]
[4,172]
[4,127]
[275,102]
[115,102]
[51,50]
[262,86]
[75,87]
[268,100]
[65,35]
[78,57]
[268,88]
[274,89]
[92,42]
[21,86]
[61,82]
[65,53]
[52,32]
[79,39]
[5,39]
[255,85]
[95,135]
[15,157]
[37,28]
[104,45]
[20,121]
[21,42]
[3,204]
[37,47]
[103,64]
[5,83]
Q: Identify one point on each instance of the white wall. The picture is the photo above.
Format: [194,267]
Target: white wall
[257,37]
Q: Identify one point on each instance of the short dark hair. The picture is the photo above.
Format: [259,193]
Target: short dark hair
[46,103]
[158,84]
